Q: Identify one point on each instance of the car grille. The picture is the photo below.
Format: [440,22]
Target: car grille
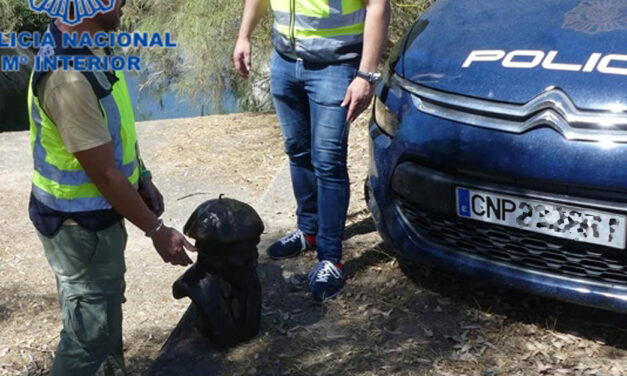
[552,108]
[518,248]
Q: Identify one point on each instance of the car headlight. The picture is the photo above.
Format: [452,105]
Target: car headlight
[387,120]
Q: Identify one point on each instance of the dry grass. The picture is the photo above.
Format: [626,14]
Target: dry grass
[390,320]
[242,150]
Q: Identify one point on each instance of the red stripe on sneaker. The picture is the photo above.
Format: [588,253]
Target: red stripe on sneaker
[311,239]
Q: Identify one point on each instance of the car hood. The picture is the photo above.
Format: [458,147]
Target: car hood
[438,51]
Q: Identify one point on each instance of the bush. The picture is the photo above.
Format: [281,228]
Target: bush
[15,15]
[404,13]
[206,31]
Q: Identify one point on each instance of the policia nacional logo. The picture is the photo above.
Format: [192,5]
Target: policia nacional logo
[81,9]
[597,16]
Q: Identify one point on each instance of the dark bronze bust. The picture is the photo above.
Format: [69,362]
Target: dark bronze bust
[223,283]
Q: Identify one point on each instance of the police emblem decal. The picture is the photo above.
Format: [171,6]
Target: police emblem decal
[82,9]
[597,16]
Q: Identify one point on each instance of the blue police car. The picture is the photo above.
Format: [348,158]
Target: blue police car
[499,145]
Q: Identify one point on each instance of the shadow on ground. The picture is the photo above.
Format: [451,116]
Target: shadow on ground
[17,302]
[593,324]
[394,316]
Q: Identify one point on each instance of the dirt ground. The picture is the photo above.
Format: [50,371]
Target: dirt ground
[391,319]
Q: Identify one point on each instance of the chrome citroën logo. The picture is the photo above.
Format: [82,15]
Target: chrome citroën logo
[597,16]
[71,12]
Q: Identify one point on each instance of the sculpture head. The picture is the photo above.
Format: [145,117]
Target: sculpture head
[223,283]
[224,221]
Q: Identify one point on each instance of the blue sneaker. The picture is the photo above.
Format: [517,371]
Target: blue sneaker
[291,245]
[326,280]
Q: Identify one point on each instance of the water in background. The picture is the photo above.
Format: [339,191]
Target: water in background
[167,105]
[170,105]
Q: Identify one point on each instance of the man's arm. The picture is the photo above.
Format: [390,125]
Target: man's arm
[359,93]
[99,164]
[70,102]
[253,11]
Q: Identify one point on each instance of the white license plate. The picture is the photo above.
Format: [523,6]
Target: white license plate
[562,221]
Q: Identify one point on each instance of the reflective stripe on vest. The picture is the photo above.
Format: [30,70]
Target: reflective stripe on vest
[331,24]
[59,181]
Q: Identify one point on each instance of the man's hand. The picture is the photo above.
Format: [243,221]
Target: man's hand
[360,92]
[358,97]
[241,56]
[151,196]
[171,245]
[99,164]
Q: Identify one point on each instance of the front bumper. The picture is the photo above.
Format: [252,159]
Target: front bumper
[411,197]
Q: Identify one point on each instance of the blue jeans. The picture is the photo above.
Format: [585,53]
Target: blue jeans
[307,97]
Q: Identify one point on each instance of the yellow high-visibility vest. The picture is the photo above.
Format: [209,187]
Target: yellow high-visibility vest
[59,181]
[319,30]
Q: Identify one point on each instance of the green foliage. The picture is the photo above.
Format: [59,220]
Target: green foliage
[15,15]
[206,32]
[404,13]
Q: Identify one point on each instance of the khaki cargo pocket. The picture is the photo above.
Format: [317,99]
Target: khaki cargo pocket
[70,251]
[86,319]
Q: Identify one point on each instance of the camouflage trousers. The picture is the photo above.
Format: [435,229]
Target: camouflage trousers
[89,268]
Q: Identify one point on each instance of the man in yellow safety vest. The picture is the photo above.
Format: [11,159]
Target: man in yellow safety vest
[322,76]
[87,177]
